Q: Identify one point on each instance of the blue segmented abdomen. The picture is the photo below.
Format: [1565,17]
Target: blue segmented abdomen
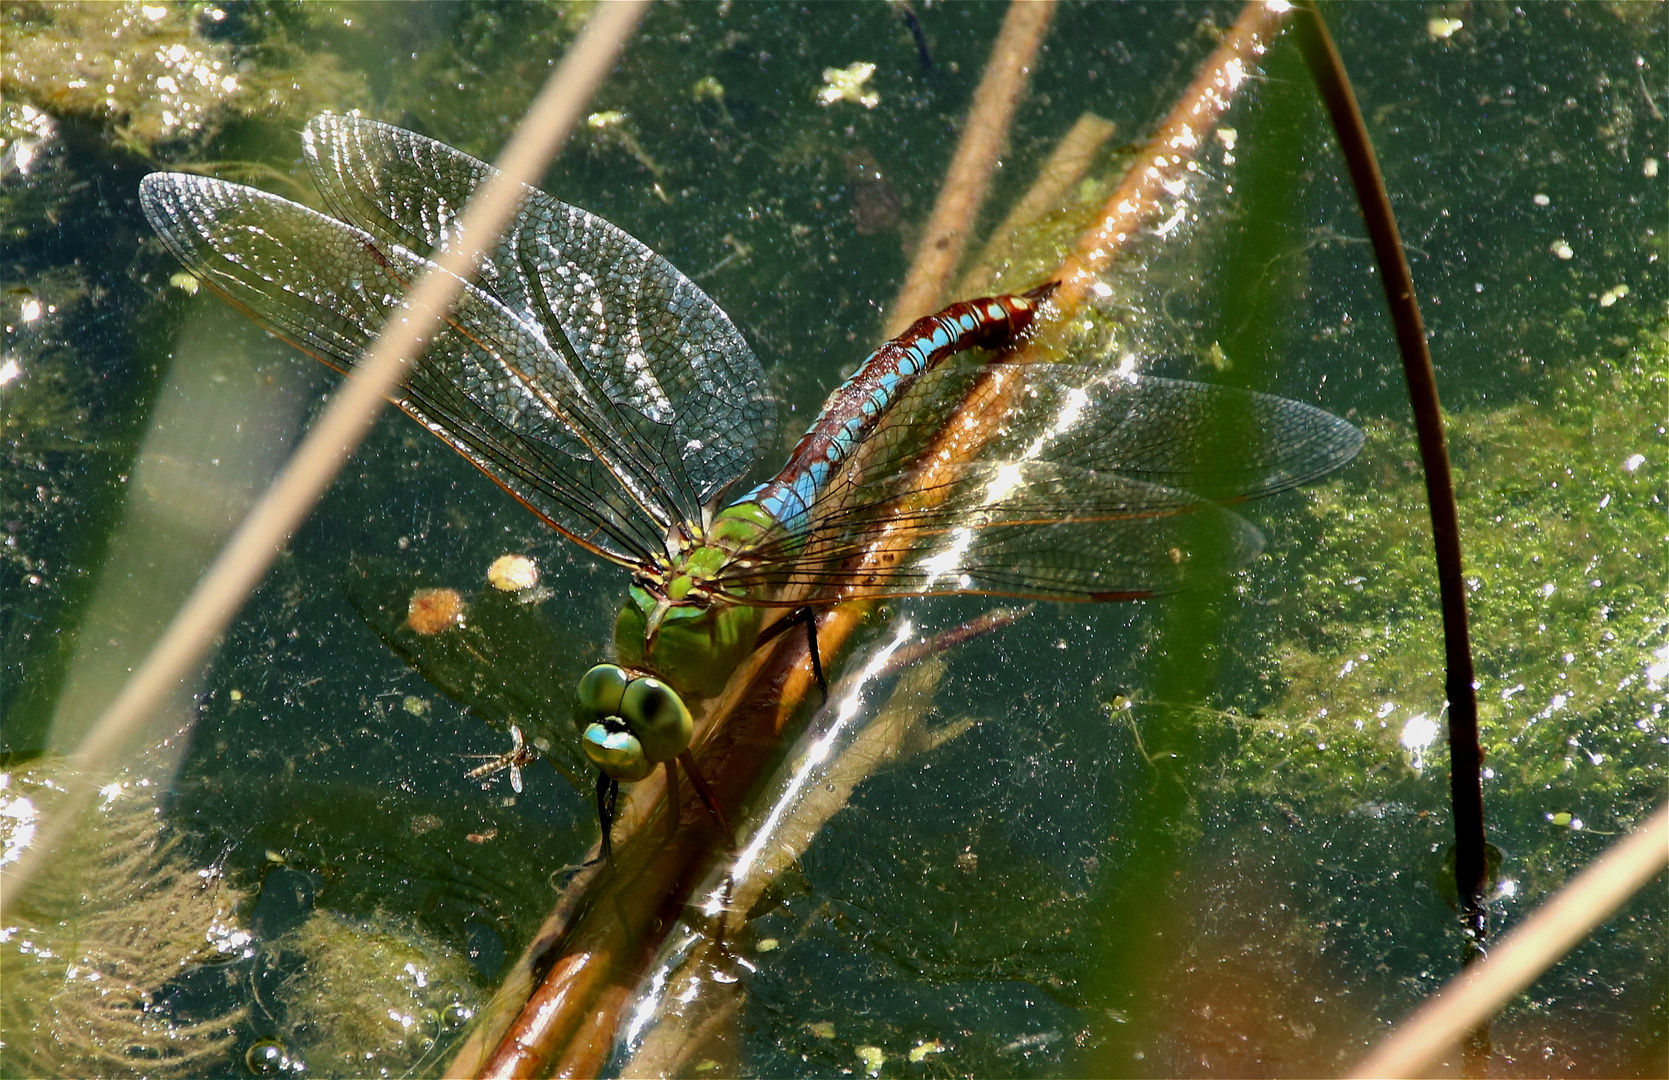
[855,407]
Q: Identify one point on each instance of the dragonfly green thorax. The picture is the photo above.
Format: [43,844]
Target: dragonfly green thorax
[684,617]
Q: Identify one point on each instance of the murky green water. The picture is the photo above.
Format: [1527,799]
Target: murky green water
[1197,837]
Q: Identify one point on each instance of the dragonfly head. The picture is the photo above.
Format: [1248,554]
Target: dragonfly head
[629,721]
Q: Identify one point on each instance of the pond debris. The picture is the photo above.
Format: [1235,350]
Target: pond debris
[613,128]
[434,610]
[849,83]
[1440,28]
[513,573]
[876,204]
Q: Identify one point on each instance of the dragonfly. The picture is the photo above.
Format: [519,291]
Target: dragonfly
[602,389]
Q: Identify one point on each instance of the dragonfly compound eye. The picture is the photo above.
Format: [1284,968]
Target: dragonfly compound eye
[600,690]
[612,747]
[604,734]
[659,718]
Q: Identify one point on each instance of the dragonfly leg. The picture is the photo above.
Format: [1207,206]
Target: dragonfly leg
[672,799]
[810,618]
[806,616]
[708,800]
[608,790]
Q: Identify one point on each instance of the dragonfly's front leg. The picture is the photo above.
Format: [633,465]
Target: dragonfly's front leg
[702,791]
[608,792]
[806,616]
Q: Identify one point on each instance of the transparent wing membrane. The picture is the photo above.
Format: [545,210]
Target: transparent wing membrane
[681,385]
[584,374]
[485,383]
[1077,482]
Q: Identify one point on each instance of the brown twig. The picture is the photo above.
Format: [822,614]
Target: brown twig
[969,176]
[1466,793]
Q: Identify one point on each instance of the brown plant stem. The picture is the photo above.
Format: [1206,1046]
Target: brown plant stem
[699,1007]
[1067,165]
[969,176]
[1466,794]
[620,916]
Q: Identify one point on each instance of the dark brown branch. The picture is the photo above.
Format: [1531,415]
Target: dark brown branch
[1465,753]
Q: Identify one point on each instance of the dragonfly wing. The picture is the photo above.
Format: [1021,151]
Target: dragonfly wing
[1007,530]
[485,383]
[678,375]
[1069,482]
[1218,442]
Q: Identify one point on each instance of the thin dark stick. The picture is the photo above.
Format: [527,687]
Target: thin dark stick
[910,20]
[1465,755]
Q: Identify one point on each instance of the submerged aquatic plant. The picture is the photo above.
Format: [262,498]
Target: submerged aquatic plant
[1564,560]
[370,997]
[95,970]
